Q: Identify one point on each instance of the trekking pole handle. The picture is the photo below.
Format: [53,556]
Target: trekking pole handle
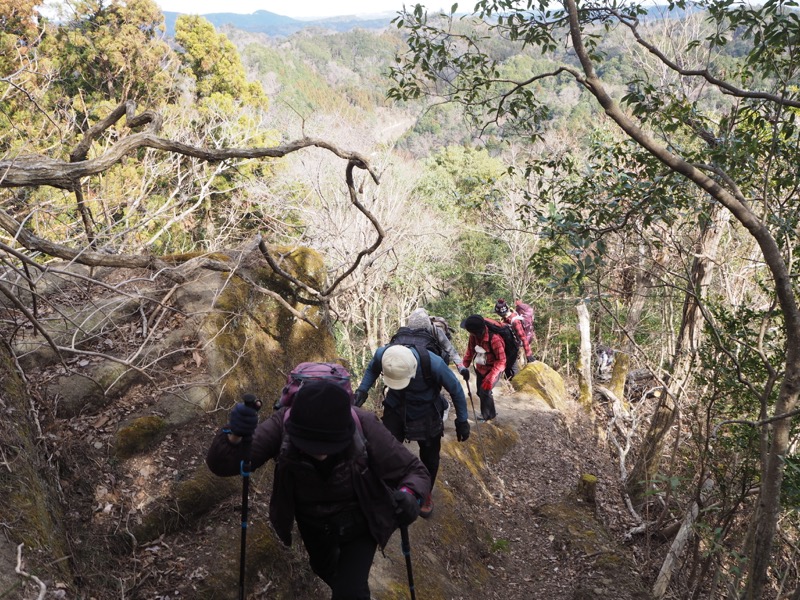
[252,401]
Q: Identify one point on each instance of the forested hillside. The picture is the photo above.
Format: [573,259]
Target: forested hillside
[631,173]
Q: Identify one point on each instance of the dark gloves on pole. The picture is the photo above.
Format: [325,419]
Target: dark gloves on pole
[462,431]
[243,420]
[359,397]
[406,506]
[530,358]
[464,371]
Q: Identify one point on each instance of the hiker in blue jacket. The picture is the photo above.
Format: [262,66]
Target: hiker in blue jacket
[413,407]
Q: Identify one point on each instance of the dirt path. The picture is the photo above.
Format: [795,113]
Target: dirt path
[546,544]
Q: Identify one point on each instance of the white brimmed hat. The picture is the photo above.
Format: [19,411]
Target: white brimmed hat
[399,365]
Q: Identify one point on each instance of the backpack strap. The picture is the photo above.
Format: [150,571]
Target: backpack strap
[425,363]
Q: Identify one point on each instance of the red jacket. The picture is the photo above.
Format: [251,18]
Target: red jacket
[495,353]
[513,319]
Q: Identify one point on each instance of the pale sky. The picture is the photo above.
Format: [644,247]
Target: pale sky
[298,9]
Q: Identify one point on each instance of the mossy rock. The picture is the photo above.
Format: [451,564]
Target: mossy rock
[180,407]
[188,500]
[28,497]
[87,393]
[139,435]
[253,341]
[539,380]
[75,326]
[487,442]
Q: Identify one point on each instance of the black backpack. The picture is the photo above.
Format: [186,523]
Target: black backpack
[418,338]
[510,342]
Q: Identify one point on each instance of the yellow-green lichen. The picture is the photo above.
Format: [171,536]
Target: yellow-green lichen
[139,435]
[258,340]
[540,380]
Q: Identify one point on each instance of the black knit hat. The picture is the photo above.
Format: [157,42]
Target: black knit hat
[501,308]
[474,324]
[320,421]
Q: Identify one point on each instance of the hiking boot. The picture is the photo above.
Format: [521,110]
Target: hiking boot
[427,507]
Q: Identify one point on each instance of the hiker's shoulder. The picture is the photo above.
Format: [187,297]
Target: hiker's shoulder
[371,425]
[367,417]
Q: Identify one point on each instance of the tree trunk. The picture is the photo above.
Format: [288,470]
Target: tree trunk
[678,544]
[691,327]
[584,366]
[765,518]
[767,511]
[685,353]
[647,466]
[643,283]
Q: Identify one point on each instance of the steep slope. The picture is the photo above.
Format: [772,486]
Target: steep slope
[508,523]
[140,516]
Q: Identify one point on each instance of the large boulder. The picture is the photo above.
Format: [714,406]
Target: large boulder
[538,382]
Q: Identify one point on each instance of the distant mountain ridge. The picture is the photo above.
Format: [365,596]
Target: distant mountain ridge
[263,21]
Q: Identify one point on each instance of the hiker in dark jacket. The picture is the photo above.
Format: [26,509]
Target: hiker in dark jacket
[412,409]
[331,476]
[488,354]
[420,319]
[511,318]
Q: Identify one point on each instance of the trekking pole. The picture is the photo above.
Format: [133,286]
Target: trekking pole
[405,544]
[477,424]
[253,402]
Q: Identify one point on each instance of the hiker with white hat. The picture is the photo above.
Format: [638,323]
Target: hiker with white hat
[413,406]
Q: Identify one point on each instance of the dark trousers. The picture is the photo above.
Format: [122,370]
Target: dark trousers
[341,556]
[486,397]
[429,448]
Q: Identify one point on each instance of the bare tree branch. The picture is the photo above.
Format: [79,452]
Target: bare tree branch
[330,289]
[32,170]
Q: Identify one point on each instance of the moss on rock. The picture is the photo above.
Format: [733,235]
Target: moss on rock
[186,501]
[139,435]
[540,380]
[28,497]
[258,340]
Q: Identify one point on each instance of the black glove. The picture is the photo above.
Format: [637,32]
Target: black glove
[530,358]
[464,373]
[462,431]
[359,397]
[406,507]
[243,420]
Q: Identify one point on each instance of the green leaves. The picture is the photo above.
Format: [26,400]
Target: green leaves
[214,62]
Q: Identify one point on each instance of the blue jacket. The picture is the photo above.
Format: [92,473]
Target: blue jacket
[420,394]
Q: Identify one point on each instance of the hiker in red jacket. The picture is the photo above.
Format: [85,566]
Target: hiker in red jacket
[347,484]
[488,354]
[510,317]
